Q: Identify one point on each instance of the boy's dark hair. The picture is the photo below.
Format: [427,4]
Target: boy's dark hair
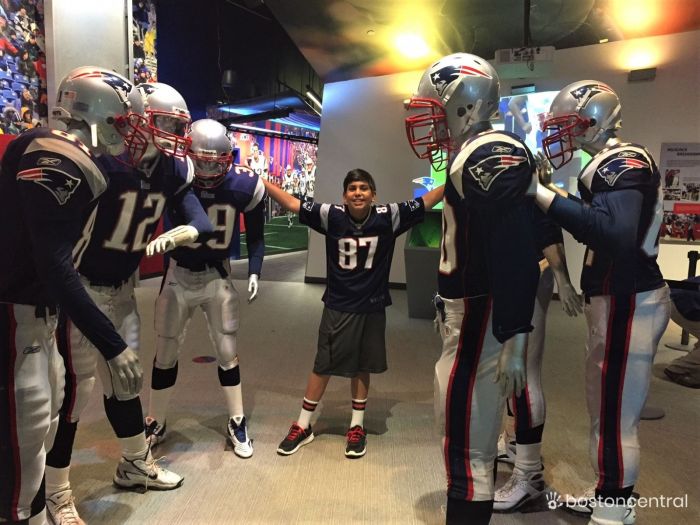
[359,175]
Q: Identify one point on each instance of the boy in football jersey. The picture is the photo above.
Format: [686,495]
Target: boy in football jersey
[50,180]
[360,239]
[486,299]
[199,276]
[618,218]
[115,237]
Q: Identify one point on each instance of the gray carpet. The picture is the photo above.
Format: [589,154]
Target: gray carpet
[401,479]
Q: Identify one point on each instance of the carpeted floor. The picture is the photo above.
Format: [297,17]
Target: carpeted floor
[401,479]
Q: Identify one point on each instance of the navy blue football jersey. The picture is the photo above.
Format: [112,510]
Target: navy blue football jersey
[492,173]
[358,256]
[240,191]
[453,244]
[619,221]
[49,182]
[117,232]
[546,231]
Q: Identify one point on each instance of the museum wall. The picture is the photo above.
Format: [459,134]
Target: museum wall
[362,125]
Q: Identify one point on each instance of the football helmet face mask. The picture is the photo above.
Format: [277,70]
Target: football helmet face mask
[453,94]
[210,151]
[111,107]
[580,115]
[168,119]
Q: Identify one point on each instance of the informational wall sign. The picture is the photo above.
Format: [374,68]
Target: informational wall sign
[680,181]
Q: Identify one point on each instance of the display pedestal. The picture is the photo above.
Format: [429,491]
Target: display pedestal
[422,257]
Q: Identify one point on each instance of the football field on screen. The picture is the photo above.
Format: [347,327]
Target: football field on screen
[280,238]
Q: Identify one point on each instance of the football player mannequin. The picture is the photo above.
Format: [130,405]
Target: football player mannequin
[618,218]
[59,173]
[199,277]
[288,186]
[115,238]
[485,301]
[521,442]
[310,175]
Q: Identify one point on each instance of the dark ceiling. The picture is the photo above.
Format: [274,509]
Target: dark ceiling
[344,39]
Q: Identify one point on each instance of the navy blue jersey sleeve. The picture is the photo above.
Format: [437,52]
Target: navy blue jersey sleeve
[625,167]
[547,232]
[513,272]
[255,237]
[186,205]
[493,170]
[610,223]
[405,215]
[316,216]
[53,232]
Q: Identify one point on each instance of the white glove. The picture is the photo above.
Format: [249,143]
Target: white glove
[544,169]
[252,287]
[172,239]
[570,300]
[127,375]
[527,128]
[510,370]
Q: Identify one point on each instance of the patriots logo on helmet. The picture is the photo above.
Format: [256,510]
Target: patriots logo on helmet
[147,88]
[61,184]
[487,170]
[444,76]
[584,93]
[111,79]
[427,182]
[611,170]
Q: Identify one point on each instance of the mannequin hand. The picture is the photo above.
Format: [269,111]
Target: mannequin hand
[172,239]
[544,169]
[127,375]
[510,370]
[570,300]
[527,128]
[252,287]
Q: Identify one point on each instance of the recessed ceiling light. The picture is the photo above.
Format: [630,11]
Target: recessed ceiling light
[603,41]
[411,45]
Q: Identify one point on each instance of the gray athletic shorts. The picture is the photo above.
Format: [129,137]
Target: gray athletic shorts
[349,343]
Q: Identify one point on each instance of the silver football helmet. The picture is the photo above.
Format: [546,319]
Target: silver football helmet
[210,151]
[454,94]
[168,118]
[585,113]
[109,105]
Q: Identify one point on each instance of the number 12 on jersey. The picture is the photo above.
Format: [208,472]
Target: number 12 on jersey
[348,247]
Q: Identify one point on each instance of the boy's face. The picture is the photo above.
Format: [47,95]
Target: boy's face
[358,197]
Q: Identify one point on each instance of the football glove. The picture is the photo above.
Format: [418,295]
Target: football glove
[171,239]
[252,287]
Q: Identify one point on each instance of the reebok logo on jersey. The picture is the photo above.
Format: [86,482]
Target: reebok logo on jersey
[611,170]
[31,350]
[501,149]
[61,184]
[207,195]
[48,161]
[487,170]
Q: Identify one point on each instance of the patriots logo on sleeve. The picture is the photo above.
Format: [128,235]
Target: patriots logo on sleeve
[308,205]
[61,184]
[611,170]
[487,170]
[444,76]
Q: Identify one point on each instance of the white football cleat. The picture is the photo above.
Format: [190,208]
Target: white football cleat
[60,509]
[145,473]
[518,490]
[584,504]
[238,435]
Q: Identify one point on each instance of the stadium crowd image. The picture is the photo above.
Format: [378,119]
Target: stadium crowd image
[273,262]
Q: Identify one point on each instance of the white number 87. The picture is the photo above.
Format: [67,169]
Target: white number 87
[348,246]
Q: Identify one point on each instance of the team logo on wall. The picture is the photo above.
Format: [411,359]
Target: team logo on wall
[486,171]
[611,170]
[444,76]
[584,93]
[61,184]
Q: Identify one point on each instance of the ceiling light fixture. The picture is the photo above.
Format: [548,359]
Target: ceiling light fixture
[313,96]
[411,45]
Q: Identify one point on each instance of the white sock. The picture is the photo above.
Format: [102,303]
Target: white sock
[57,480]
[528,458]
[307,410]
[158,404]
[134,447]
[39,519]
[234,402]
[358,412]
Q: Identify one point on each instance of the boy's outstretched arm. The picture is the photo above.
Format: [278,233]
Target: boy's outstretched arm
[287,201]
[434,196]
